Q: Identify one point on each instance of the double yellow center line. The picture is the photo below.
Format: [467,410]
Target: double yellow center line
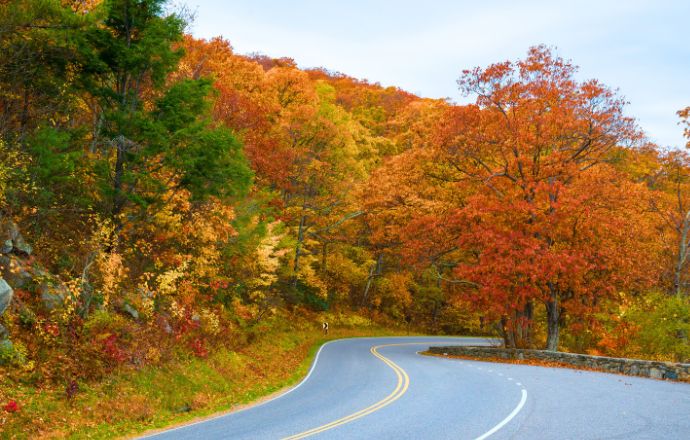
[400,389]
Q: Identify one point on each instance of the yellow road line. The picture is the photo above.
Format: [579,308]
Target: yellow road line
[400,389]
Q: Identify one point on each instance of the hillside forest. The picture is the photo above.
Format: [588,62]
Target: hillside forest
[164,196]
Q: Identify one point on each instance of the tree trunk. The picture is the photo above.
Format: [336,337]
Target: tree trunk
[365,295]
[524,328]
[324,257]
[118,192]
[553,310]
[86,288]
[24,117]
[298,250]
[434,317]
[682,254]
[374,271]
[508,337]
[553,315]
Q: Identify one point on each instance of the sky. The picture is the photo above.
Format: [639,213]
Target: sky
[639,47]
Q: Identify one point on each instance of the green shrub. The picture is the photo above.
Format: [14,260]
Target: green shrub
[663,327]
[12,354]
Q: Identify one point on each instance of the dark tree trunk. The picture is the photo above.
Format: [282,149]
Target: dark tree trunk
[524,328]
[434,317]
[119,198]
[298,249]
[508,336]
[684,231]
[324,257]
[553,317]
[118,195]
[24,117]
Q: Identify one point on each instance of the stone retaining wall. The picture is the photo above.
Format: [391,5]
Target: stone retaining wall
[634,367]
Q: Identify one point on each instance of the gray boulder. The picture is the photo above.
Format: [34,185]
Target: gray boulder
[16,272]
[21,247]
[11,239]
[53,294]
[5,295]
[19,274]
[131,310]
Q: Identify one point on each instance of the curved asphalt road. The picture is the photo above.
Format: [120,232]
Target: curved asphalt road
[391,392]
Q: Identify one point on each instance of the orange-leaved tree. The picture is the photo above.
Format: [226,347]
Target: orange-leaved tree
[534,131]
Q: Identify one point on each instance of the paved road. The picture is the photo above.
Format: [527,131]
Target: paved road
[355,391]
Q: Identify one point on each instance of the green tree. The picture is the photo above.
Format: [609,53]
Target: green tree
[150,135]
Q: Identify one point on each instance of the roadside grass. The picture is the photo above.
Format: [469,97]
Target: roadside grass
[134,401]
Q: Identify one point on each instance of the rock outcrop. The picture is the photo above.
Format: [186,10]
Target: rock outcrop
[5,300]
[18,271]
[6,293]
[11,240]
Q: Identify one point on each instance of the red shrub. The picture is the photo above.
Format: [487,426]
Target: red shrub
[11,406]
[199,348]
[112,350]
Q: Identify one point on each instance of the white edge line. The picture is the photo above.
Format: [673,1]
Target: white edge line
[311,370]
[230,412]
[510,417]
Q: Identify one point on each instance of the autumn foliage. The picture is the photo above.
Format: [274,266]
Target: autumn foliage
[177,196]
